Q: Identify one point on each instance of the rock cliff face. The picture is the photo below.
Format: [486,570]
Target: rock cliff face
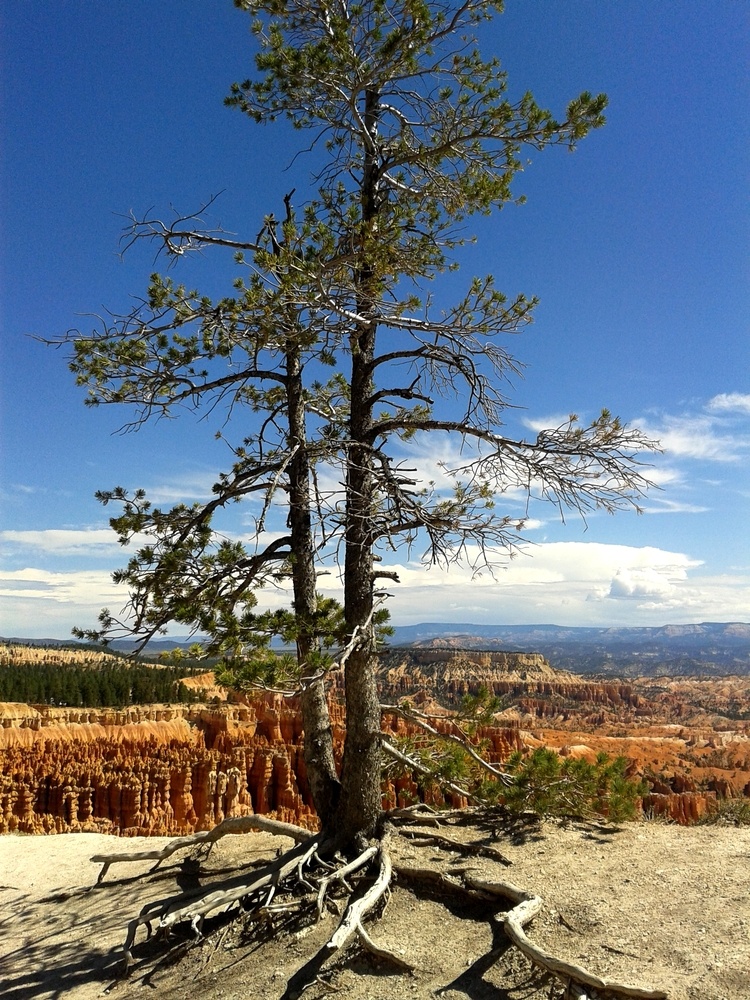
[167,770]
[524,680]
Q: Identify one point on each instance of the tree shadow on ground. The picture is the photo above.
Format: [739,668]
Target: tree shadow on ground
[64,940]
[473,983]
[497,823]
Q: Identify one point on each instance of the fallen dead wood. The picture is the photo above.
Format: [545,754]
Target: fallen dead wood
[204,839]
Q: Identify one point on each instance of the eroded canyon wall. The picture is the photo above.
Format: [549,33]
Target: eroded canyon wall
[150,769]
[164,770]
[172,769]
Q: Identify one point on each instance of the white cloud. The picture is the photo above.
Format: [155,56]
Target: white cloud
[64,542]
[574,583]
[538,424]
[698,436]
[712,434]
[661,505]
[663,476]
[566,583]
[638,585]
[76,542]
[730,402]
[183,489]
[37,603]
[78,586]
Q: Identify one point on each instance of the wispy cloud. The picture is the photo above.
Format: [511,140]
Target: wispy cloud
[574,583]
[698,436]
[23,488]
[98,542]
[183,489]
[82,586]
[718,432]
[538,424]
[568,583]
[730,402]
[661,505]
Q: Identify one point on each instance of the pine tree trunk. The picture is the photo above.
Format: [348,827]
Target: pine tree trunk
[360,804]
[361,801]
[318,748]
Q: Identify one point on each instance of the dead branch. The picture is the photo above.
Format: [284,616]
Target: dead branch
[205,839]
[420,812]
[420,768]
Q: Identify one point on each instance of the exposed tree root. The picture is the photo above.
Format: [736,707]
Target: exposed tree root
[579,982]
[194,907]
[259,886]
[419,813]
[526,908]
[301,867]
[358,908]
[339,875]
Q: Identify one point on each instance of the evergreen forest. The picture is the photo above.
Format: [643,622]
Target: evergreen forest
[114,685]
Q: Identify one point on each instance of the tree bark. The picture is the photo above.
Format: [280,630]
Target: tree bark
[360,804]
[361,801]
[318,749]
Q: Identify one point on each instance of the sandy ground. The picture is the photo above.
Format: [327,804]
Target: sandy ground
[650,904]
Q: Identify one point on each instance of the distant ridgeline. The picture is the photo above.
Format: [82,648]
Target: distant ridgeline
[447,675]
[713,648]
[671,650]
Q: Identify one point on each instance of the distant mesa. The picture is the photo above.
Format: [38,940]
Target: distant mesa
[707,648]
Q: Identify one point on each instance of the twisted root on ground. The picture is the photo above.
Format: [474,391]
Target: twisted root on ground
[301,874]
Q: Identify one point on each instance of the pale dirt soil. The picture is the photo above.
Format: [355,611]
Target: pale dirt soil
[649,904]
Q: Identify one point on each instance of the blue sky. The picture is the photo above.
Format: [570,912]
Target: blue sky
[637,246]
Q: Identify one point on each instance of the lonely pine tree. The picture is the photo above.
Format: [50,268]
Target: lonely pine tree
[331,350]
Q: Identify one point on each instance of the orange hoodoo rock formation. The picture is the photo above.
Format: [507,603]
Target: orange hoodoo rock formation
[167,770]
[173,769]
[161,770]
